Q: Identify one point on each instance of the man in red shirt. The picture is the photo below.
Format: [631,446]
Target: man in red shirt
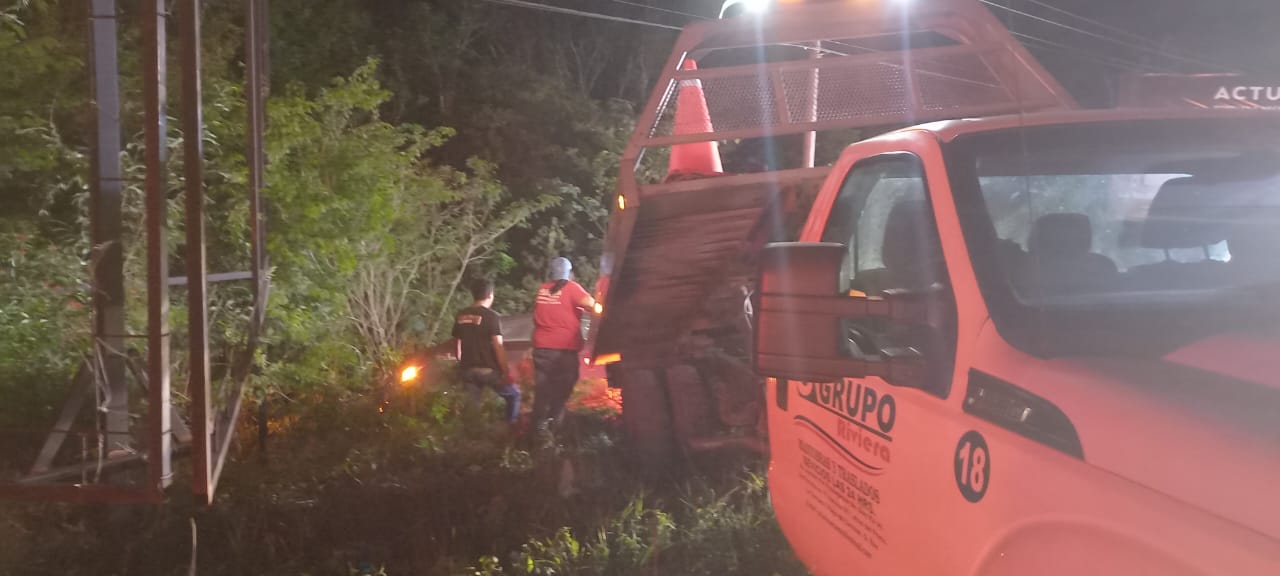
[557,340]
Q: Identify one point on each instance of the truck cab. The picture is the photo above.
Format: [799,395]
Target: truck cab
[1035,344]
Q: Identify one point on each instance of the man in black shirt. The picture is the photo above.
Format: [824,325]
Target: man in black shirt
[482,359]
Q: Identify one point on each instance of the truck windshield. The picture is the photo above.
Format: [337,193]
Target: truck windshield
[1159,225]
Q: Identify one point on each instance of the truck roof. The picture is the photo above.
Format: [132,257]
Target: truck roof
[948,130]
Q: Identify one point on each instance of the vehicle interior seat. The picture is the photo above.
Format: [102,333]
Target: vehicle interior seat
[911,251]
[1060,258]
[1012,257]
[1183,215]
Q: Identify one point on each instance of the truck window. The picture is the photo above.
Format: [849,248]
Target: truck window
[1116,206]
[1134,237]
[883,216]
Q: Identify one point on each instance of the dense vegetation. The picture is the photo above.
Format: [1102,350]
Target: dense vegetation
[412,144]
[425,484]
[386,120]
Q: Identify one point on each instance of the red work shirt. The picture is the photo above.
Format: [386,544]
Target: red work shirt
[556,323]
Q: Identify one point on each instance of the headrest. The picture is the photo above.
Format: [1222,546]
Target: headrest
[910,239]
[1061,234]
[1182,215]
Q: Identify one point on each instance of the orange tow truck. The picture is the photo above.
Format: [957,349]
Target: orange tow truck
[996,334]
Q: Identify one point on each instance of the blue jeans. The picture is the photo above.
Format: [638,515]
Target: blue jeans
[477,379]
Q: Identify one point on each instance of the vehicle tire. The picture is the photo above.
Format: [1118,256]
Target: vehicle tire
[646,417]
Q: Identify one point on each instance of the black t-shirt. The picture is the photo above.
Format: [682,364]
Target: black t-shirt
[475,327]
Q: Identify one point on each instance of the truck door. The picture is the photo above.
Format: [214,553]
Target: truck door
[862,455]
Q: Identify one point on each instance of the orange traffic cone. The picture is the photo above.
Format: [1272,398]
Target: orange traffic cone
[692,117]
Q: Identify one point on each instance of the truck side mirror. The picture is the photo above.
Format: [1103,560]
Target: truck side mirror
[803,327]
[801,268]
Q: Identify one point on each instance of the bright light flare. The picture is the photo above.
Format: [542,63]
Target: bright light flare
[622,202]
[409,374]
[599,308]
[734,8]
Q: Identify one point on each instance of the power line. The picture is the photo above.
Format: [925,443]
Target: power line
[1102,25]
[1070,50]
[697,17]
[1091,34]
[1139,47]
[1119,63]
[1103,37]
[1044,44]
[611,18]
[1151,45]
[1114,29]
[1076,51]
[585,14]
[660,9]
[582,13]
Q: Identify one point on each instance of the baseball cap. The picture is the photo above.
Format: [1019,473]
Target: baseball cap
[560,268]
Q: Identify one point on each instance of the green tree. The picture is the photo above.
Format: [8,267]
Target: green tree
[41,95]
[549,100]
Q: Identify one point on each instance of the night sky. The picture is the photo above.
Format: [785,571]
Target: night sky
[1218,35]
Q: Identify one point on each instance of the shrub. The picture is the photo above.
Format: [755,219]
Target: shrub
[702,533]
[44,326]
